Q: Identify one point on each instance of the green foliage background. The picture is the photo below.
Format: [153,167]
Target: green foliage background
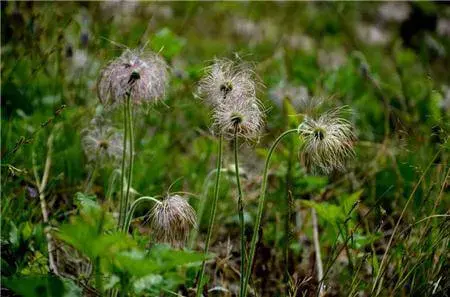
[398,90]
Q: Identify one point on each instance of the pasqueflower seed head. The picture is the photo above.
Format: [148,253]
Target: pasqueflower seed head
[226,79]
[244,117]
[172,219]
[144,74]
[102,142]
[328,141]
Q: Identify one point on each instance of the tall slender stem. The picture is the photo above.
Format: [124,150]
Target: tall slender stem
[131,159]
[240,211]
[122,174]
[92,176]
[260,210]
[317,249]
[211,217]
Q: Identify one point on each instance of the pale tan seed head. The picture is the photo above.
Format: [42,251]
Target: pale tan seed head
[244,115]
[328,141]
[144,74]
[172,219]
[227,79]
[102,142]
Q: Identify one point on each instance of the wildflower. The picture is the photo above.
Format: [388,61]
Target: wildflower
[102,142]
[226,80]
[443,27]
[373,35]
[172,219]
[394,11]
[328,141]
[144,74]
[243,116]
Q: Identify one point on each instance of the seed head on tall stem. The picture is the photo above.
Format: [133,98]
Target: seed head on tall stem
[240,117]
[226,79]
[147,71]
[172,219]
[328,141]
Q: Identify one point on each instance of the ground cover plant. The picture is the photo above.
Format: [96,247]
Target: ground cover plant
[225,149]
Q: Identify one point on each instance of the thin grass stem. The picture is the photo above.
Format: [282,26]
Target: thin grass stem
[380,271]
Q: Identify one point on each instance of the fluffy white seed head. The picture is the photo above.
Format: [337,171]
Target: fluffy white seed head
[226,79]
[172,219]
[243,116]
[328,141]
[142,73]
[102,142]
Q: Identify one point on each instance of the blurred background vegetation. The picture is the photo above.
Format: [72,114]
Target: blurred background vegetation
[388,61]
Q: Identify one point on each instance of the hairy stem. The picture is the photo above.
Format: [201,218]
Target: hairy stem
[211,217]
[91,177]
[240,211]
[122,176]
[131,159]
[261,203]
[319,263]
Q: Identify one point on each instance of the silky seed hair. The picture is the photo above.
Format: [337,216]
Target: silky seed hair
[102,142]
[245,117]
[226,79]
[172,219]
[142,73]
[328,141]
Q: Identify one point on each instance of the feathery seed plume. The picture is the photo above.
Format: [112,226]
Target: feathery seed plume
[102,142]
[226,79]
[172,219]
[142,73]
[328,141]
[230,88]
[244,115]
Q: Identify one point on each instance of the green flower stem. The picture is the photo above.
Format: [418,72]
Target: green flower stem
[133,206]
[124,157]
[260,210]
[240,211]
[131,159]
[212,217]
[92,176]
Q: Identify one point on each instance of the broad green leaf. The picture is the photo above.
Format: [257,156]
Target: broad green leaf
[168,42]
[42,286]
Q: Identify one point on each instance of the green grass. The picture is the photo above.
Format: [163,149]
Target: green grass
[383,223]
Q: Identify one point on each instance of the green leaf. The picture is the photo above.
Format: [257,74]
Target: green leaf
[168,43]
[86,202]
[42,286]
[327,211]
[348,202]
